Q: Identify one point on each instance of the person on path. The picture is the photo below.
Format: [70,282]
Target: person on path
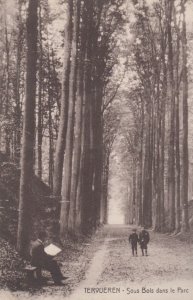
[133,240]
[144,240]
[41,260]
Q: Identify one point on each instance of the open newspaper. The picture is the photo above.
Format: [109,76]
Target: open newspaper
[52,250]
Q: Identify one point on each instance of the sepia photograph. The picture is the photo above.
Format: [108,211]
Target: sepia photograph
[96,149]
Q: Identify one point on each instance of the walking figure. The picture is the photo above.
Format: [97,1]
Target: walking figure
[144,240]
[133,240]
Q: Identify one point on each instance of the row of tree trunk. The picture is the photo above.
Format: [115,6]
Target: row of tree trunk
[79,150]
[75,177]
[160,169]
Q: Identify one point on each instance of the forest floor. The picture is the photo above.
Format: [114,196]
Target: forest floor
[106,269]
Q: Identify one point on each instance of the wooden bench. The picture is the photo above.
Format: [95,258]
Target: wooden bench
[31,272]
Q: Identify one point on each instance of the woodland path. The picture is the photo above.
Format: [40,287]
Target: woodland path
[169,265]
[114,273]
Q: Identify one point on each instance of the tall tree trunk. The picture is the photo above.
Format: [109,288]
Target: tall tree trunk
[156,179]
[50,129]
[147,174]
[7,92]
[98,150]
[141,165]
[86,157]
[77,134]
[105,181]
[97,119]
[17,145]
[75,214]
[171,152]
[27,160]
[134,195]
[39,118]
[177,140]
[51,146]
[88,170]
[76,153]
[67,167]
[162,150]
[185,162]
[80,188]
[61,140]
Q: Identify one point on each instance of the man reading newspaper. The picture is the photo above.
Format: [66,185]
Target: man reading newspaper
[42,260]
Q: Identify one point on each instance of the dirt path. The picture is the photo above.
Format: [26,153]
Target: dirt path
[114,273]
[166,273]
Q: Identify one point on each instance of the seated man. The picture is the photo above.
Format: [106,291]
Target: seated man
[40,259]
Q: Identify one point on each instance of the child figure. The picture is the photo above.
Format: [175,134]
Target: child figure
[144,240]
[133,239]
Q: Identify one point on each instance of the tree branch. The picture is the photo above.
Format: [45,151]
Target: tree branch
[105,106]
